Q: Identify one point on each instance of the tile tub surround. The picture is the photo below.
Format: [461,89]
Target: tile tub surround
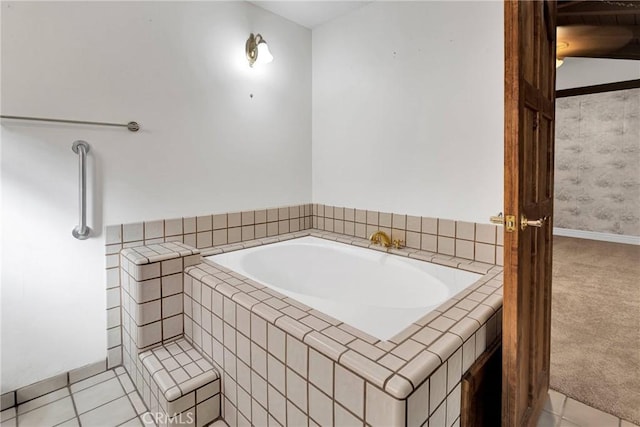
[468,240]
[275,222]
[176,383]
[151,291]
[200,232]
[174,380]
[479,242]
[282,361]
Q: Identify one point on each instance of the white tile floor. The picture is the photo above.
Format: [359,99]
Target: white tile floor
[106,399]
[563,411]
[110,399]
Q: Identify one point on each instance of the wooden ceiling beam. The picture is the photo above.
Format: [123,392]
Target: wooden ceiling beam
[628,11]
[562,5]
[630,51]
[602,14]
[619,7]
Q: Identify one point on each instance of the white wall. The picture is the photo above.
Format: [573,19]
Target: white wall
[408,109]
[205,146]
[579,72]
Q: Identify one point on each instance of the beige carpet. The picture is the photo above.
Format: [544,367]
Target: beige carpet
[595,324]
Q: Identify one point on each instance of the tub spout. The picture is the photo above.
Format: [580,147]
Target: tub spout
[380,238]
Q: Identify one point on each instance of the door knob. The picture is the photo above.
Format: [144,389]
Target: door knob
[524,222]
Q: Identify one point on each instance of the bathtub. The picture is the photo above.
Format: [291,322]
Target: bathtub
[376,292]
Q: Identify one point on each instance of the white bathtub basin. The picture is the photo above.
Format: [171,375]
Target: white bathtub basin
[378,293]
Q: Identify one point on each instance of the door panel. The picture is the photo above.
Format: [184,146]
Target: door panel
[529,132]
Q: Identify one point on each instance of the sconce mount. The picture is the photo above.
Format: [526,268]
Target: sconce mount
[256,44]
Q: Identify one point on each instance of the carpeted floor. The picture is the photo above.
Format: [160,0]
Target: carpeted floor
[595,324]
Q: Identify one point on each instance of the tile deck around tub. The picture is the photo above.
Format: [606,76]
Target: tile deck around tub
[433,257]
[140,255]
[397,366]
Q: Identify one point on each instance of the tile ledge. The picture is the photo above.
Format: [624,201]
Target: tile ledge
[174,391]
[138,258]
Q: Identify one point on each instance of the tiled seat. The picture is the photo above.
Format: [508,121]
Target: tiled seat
[187,383]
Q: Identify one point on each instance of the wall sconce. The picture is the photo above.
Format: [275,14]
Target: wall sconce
[257,50]
[560,46]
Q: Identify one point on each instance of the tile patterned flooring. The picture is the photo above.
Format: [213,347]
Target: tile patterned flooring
[563,411]
[106,399]
[110,399]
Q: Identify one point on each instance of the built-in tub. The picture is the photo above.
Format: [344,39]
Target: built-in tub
[374,291]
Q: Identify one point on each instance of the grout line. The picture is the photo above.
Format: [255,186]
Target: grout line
[102,404]
[135,390]
[121,424]
[66,421]
[94,385]
[73,402]
[48,403]
[564,405]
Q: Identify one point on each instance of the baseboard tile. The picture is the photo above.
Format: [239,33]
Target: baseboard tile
[87,371]
[593,235]
[8,400]
[35,390]
[114,357]
[41,388]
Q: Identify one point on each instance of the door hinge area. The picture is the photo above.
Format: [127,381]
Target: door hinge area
[510,223]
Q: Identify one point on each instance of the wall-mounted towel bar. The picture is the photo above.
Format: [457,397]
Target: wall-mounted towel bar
[81,232]
[132,126]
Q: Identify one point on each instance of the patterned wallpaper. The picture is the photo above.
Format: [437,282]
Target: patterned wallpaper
[597,170]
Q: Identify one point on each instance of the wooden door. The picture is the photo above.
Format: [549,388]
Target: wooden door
[528,157]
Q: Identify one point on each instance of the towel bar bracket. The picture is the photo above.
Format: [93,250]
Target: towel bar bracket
[82,144]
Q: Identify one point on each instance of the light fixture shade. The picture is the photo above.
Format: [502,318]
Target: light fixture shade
[257,50]
[264,55]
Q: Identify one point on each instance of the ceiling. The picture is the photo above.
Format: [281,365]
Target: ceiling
[586,28]
[600,29]
[310,14]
